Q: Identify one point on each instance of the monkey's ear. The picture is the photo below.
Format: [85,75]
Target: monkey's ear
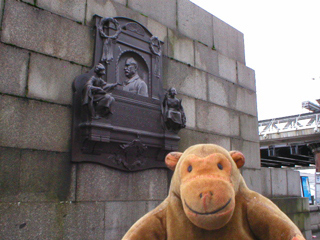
[238,158]
[172,160]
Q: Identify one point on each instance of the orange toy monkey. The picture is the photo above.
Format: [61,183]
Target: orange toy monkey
[209,200]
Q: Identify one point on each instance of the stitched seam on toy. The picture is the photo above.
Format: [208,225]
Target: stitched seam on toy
[210,213]
[207,176]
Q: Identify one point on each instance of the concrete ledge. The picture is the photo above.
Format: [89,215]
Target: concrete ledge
[250,176]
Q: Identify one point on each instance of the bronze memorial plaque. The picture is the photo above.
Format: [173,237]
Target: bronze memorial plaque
[122,117]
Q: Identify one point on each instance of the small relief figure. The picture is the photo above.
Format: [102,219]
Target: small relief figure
[96,94]
[174,116]
[134,83]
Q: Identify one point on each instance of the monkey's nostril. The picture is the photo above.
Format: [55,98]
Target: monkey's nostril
[211,193]
[200,195]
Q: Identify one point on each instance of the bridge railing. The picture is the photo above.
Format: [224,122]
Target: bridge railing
[290,123]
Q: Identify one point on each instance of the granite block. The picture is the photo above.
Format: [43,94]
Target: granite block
[129,13]
[188,105]
[228,40]
[14,63]
[29,1]
[44,32]
[180,48]
[51,79]
[35,125]
[187,80]
[29,221]
[252,178]
[164,12]
[194,22]
[160,31]
[227,68]
[293,180]
[73,9]
[120,216]
[9,174]
[44,176]
[246,76]
[251,151]
[206,59]
[191,137]
[82,220]
[279,183]
[249,127]
[266,182]
[213,118]
[218,90]
[98,183]
[246,101]
[315,218]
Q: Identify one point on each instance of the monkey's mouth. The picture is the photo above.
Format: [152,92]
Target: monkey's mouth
[209,213]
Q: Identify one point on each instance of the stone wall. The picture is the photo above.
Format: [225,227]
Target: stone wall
[44,45]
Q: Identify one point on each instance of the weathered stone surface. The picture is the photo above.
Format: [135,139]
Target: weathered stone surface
[163,12]
[206,58]
[180,48]
[82,220]
[250,176]
[29,175]
[227,68]
[98,183]
[279,183]
[51,79]
[187,80]
[192,20]
[293,180]
[251,151]
[246,101]
[14,63]
[129,13]
[1,10]
[265,182]
[35,125]
[121,216]
[52,221]
[228,41]
[29,221]
[189,107]
[103,8]
[29,1]
[44,176]
[218,90]
[9,173]
[73,9]
[246,76]
[210,117]
[44,32]
[157,29]
[191,137]
[249,127]
[160,31]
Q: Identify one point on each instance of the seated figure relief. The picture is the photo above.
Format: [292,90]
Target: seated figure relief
[96,94]
[174,116]
[134,83]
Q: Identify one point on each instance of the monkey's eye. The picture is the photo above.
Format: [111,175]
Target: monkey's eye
[220,166]
[190,168]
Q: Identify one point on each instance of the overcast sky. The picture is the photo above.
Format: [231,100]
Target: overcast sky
[282,45]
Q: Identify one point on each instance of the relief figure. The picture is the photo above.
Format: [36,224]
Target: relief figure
[96,94]
[134,83]
[174,116]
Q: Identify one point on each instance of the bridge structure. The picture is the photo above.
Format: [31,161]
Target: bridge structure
[291,141]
